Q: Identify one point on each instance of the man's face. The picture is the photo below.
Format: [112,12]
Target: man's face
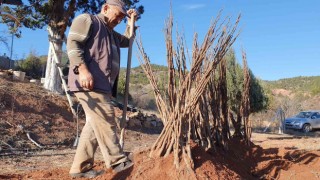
[114,16]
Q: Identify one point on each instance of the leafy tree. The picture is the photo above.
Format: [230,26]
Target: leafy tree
[32,66]
[122,87]
[235,78]
[234,81]
[6,15]
[58,15]
[258,97]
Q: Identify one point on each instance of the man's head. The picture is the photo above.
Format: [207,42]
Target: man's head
[114,11]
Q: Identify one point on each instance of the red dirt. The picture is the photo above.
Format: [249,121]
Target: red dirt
[47,117]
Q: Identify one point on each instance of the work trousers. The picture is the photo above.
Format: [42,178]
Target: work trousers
[100,129]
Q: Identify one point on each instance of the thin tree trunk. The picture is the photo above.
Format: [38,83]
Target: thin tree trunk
[224,103]
[245,107]
[236,124]
[52,79]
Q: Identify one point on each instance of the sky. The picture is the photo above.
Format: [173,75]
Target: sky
[281,38]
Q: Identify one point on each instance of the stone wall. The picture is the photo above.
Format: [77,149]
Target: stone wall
[139,119]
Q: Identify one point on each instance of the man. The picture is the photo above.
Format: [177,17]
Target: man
[94,52]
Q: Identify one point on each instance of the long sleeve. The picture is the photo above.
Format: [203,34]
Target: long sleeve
[79,33]
[125,38]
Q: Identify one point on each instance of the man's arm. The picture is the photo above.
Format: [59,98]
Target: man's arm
[79,33]
[125,38]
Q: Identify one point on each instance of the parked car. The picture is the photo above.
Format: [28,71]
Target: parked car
[305,121]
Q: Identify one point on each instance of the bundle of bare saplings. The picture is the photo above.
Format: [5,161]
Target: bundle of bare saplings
[194,106]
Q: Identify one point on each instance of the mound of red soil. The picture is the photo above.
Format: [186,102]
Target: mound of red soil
[207,166]
[28,108]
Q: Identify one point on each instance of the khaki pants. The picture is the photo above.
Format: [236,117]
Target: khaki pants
[100,129]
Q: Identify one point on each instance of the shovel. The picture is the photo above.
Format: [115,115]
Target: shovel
[125,103]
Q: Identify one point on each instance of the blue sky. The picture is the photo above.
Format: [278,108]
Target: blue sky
[281,38]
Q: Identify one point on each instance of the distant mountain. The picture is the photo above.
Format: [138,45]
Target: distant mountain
[294,88]
[301,84]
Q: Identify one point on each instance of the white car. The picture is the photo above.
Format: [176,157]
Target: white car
[305,121]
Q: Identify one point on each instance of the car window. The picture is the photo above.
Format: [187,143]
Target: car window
[304,115]
[317,115]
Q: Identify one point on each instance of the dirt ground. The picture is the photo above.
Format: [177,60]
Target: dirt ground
[27,109]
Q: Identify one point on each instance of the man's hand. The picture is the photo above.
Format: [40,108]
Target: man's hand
[132,12]
[85,77]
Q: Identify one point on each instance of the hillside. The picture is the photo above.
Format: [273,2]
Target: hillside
[141,92]
[138,76]
[298,93]
[301,84]
[305,90]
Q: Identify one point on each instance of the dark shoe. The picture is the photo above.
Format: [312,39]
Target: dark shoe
[89,174]
[122,166]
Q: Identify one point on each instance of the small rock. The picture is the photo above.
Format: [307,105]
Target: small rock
[135,114]
[134,122]
[153,123]
[147,124]
[34,81]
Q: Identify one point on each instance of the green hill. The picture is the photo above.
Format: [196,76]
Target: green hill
[310,85]
[137,75]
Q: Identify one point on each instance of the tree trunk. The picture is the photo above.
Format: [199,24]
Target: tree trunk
[224,103]
[52,79]
[245,107]
[236,124]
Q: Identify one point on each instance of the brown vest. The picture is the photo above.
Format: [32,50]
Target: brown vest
[98,56]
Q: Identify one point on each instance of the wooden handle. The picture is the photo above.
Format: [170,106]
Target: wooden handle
[125,104]
[131,24]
